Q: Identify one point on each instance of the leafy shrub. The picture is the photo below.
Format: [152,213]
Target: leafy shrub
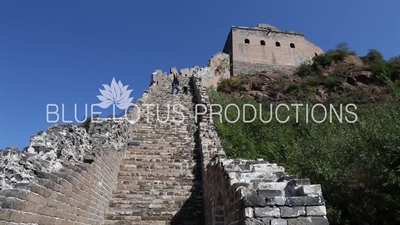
[224,83]
[344,49]
[304,70]
[323,61]
[340,72]
[373,55]
[328,81]
[292,87]
[393,65]
[357,164]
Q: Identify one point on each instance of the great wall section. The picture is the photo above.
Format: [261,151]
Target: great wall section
[152,172]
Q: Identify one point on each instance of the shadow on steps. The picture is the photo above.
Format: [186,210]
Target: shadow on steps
[192,211]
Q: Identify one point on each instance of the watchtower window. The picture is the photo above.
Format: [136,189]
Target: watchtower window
[277,44]
[291,45]
[262,42]
[316,54]
[247,41]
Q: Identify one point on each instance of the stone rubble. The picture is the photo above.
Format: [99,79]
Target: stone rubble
[49,150]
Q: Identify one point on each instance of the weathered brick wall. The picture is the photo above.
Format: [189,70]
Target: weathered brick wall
[217,69]
[294,49]
[250,68]
[237,191]
[71,180]
[77,193]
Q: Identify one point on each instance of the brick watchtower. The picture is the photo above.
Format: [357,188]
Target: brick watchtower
[265,47]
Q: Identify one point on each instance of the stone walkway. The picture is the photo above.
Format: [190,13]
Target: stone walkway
[159,181]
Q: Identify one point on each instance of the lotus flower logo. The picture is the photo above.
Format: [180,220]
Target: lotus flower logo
[116,94]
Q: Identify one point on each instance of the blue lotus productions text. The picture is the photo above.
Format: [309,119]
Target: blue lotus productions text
[282,113]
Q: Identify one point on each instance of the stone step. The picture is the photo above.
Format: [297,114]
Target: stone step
[133,166]
[155,194]
[134,156]
[162,155]
[158,175]
[114,214]
[168,142]
[161,139]
[155,172]
[134,199]
[178,184]
[163,112]
[134,220]
[172,146]
[126,194]
[177,160]
[160,148]
[150,205]
[150,135]
[153,214]
[138,196]
[159,180]
[137,166]
[131,184]
[173,170]
[167,131]
[146,211]
[138,160]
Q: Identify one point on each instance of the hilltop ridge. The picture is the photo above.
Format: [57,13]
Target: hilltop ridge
[350,79]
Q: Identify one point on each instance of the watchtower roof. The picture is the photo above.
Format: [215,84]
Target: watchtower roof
[269,28]
[266,26]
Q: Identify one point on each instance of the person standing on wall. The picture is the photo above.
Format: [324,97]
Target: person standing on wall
[175,84]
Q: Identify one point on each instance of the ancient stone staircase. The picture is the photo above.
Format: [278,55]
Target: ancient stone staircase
[151,172]
[159,181]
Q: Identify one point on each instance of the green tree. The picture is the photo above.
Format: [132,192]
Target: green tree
[393,65]
[343,47]
[373,55]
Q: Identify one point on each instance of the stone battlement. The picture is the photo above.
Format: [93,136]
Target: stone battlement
[267,27]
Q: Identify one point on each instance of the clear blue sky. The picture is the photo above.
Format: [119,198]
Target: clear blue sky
[61,52]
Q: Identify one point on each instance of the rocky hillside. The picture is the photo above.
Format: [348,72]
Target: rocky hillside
[336,77]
